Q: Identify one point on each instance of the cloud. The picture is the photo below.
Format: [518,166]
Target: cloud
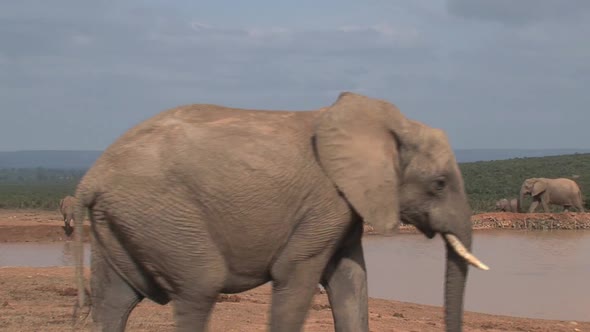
[278,37]
[518,11]
[383,30]
[108,66]
[81,39]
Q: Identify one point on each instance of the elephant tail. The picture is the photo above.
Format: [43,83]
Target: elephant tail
[85,200]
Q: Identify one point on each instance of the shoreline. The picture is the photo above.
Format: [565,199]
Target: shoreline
[47,226]
[515,221]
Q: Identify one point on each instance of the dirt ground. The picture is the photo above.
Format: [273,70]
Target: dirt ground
[41,299]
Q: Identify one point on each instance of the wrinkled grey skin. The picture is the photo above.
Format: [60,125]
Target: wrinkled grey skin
[508,205]
[204,199]
[560,191]
[66,208]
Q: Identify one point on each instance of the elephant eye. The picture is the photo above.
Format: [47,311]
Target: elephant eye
[439,185]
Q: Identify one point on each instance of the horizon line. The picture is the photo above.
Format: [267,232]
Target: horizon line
[480,149]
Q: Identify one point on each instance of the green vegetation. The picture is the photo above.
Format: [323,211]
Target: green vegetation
[485,182]
[488,181]
[36,188]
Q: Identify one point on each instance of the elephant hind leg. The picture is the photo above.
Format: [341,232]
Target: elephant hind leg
[113,298]
[192,313]
[197,289]
[545,206]
[197,294]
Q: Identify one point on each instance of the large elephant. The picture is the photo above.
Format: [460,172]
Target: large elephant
[560,191]
[66,208]
[506,205]
[203,199]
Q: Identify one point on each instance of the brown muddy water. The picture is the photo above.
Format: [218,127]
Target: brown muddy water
[537,274]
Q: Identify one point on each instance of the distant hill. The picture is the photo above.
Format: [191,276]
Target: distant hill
[38,179]
[59,159]
[55,159]
[471,155]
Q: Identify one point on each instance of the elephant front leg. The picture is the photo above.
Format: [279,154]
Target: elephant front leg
[345,281]
[295,276]
[533,206]
[291,299]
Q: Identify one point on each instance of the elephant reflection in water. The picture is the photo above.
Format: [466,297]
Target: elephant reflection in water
[67,253]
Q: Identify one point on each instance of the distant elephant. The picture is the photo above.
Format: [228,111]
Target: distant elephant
[66,208]
[560,191]
[508,205]
[204,199]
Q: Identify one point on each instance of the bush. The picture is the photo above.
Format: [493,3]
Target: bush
[485,182]
[36,188]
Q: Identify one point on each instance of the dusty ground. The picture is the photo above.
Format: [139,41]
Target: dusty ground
[41,299]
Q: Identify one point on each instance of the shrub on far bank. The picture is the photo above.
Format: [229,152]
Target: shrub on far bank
[485,182]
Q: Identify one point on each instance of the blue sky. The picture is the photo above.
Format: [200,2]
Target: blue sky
[492,73]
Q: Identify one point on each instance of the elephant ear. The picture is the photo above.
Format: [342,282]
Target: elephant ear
[61,203]
[538,187]
[357,144]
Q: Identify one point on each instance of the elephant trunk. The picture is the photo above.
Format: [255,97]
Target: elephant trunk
[455,280]
[458,244]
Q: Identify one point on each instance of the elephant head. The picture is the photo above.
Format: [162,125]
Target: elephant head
[66,208]
[502,204]
[393,169]
[533,187]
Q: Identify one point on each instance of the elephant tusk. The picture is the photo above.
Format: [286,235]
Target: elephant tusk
[460,249]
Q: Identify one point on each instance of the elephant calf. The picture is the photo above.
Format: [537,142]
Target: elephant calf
[205,199]
[506,205]
[560,191]
[66,208]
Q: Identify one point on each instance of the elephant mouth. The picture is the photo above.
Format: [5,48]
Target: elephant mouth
[460,249]
[429,233]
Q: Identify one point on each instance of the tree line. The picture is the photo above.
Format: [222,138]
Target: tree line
[485,182]
[36,188]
